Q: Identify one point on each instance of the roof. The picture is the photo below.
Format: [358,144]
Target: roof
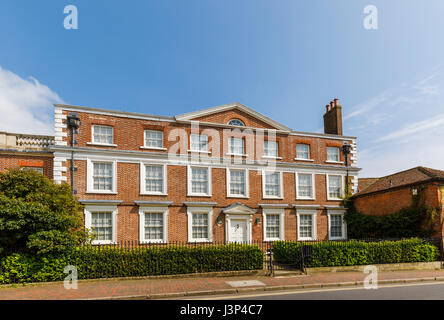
[404,178]
[364,183]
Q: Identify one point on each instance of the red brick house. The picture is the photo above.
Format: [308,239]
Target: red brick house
[226,173]
[394,192]
[26,151]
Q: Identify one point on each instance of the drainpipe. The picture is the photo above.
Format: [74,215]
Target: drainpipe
[73,123]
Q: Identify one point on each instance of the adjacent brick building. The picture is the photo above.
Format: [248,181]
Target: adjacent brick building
[403,189]
[25,151]
[226,173]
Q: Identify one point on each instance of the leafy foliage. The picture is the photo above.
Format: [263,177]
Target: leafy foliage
[94,262]
[36,215]
[406,223]
[350,253]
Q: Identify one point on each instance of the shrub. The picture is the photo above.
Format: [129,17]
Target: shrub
[350,253]
[94,262]
[36,215]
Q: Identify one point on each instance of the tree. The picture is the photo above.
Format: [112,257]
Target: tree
[36,215]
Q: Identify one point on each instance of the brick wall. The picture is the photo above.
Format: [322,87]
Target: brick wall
[22,159]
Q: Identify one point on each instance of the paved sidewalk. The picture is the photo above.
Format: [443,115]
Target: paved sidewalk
[158,288]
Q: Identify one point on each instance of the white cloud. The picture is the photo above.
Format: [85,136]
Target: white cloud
[400,128]
[25,105]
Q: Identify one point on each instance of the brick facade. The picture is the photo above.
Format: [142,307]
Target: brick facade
[128,154]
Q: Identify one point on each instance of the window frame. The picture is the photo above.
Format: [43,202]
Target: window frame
[313,213]
[338,153]
[93,128]
[143,190]
[142,211]
[236,119]
[247,184]
[197,210]
[281,214]
[189,182]
[309,152]
[230,139]
[281,185]
[313,187]
[341,187]
[90,178]
[277,149]
[191,143]
[153,148]
[90,209]
[340,212]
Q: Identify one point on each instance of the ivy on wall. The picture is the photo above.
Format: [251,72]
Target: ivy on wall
[414,221]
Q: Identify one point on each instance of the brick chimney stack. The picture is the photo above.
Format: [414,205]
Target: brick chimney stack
[333,118]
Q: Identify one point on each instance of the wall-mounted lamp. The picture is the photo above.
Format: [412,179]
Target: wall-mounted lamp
[218,220]
[257,221]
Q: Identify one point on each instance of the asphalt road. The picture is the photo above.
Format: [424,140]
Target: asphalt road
[413,291]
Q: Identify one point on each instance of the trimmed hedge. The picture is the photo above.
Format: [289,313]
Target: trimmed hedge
[353,252]
[94,262]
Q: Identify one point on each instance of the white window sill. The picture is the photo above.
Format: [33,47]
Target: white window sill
[271,157]
[152,241]
[153,194]
[196,151]
[273,239]
[199,195]
[306,239]
[101,144]
[100,192]
[237,196]
[336,162]
[334,199]
[199,240]
[272,197]
[98,242]
[305,198]
[335,238]
[302,159]
[236,154]
[153,148]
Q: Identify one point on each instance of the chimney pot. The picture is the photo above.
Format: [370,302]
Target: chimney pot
[327,107]
[331,104]
[336,101]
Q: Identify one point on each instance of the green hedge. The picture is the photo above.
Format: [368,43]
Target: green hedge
[350,253]
[94,262]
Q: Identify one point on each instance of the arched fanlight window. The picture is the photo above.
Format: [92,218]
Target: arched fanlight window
[236,122]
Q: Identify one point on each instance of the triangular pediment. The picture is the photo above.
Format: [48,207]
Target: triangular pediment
[238,208]
[223,114]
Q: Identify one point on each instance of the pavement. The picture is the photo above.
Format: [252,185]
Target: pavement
[205,286]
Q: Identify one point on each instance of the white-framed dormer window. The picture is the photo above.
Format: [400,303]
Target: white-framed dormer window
[153,139]
[237,183]
[274,224]
[101,176]
[303,151]
[333,154]
[102,221]
[272,186]
[335,188]
[199,181]
[153,179]
[271,149]
[305,186]
[306,220]
[198,142]
[236,146]
[102,134]
[153,224]
[200,224]
[337,227]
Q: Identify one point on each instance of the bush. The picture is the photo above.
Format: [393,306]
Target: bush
[36,215]
[94,262]
[350,253]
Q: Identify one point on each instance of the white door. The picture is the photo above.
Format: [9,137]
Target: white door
[238,231]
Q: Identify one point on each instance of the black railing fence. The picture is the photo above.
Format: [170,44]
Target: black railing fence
[131,258]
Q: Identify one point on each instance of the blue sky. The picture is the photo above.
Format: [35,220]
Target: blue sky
[286,59]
